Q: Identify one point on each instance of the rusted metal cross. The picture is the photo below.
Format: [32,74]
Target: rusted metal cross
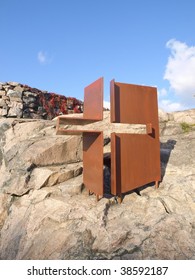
[135,158]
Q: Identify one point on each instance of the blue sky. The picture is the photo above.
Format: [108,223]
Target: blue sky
[63,45]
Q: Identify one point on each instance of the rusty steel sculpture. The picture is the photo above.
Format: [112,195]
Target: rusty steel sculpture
[135,158]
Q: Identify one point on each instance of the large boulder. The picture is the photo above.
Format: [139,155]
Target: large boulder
[33,144]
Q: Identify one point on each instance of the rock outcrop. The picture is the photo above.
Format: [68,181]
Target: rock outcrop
[46,213]
[22,101]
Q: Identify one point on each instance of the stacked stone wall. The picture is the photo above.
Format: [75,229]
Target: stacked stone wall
[21,101]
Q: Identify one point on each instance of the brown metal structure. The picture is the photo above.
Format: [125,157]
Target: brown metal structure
[93,108]
[135,158]
[92,140]
[93,162]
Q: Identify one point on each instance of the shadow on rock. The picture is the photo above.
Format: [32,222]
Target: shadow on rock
[107,175]
[165,152]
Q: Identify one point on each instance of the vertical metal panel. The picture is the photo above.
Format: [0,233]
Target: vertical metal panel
[115,165]
[92,140]
[135,104]
[138,160]
[93,100]
[93,162]
[112,102]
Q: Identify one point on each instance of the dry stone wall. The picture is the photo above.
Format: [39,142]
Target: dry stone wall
[22,101]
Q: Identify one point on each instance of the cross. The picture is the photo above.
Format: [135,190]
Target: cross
[135,158]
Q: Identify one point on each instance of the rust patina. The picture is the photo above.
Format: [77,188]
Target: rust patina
[135,158]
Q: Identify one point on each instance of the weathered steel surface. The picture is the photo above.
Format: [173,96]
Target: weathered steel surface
[115,165]
[93,162]
[93,100]
[93,109]
[133,104]
[135,159]
[135,162]
[92,140]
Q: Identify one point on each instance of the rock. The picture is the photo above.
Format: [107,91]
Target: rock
[163,116]
[5,201]
[5,97]
[2,92]
[19,88]
[54,151]
[14,95]
[72,186]
[38,104]
[2,103]
[4,125]
[3,111]
[30,94]
[13,84]
[15,109]
[19,186]
[187,116]
[171,128]
[29,99]
[18,153]
[50,176]
[53,217]
[6,87]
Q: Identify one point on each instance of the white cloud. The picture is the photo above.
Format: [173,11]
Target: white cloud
[106,104]
[180,70]
[162,92]
[170,106]
[41,57]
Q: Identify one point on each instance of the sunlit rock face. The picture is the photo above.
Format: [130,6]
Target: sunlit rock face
[46,213]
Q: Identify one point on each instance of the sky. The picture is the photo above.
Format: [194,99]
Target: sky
[63,45]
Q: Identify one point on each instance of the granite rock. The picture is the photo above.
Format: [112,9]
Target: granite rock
[53,217]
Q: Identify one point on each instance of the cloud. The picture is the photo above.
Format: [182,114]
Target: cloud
[170,106]
[43,58]
[162,92]
[106,104]
[180,70]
